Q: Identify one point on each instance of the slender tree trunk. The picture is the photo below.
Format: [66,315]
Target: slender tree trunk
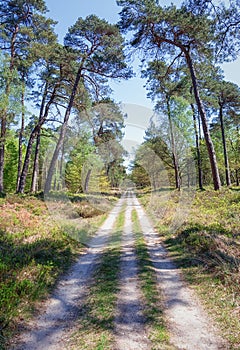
[226,162]
[13,45]
[55,182]
[58,147]
[173,146]
[40,174]
[61,168]
[210,147]
[20,139]
[207,136]
[2,148]
[63,131]
[237,154]
[34,133]
[237,177]
[34,184]
[199,163]
[86,182]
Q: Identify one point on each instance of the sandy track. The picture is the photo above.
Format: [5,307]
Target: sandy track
[189,325]
[52,328]
[130,333]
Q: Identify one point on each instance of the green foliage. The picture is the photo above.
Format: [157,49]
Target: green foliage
[24,25]
[226,127]
[34,252]
[99,46]
[106,122]
[154,158]
[177,36]
[148,168]
[11,164]
[74,167]
[10,99]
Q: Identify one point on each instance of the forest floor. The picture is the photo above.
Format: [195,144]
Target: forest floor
[124,292]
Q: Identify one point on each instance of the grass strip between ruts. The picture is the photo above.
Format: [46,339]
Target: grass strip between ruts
[96,321]
[154,309]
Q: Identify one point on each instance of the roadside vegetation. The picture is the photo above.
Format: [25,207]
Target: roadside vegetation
[207,248]
[34,252]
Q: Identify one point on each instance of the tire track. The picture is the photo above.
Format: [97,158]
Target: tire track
[130,332]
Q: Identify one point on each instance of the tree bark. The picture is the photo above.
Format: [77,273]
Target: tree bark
[4,112]
[237,177]
[199,163]
[173,146]
[207,136]
[34,187]
[20,139]
[2,149]
[61,169]
[3,136]
[86,182]
[63,131]
[225,153]
[210,147]
[34,133]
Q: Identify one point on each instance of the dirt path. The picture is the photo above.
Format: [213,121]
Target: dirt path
[188,323]
[51,330]
[189,326]
[130,333]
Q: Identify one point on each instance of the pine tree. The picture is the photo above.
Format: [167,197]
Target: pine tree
[99,49]
[193,32]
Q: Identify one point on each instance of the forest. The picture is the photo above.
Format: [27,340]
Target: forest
[62,154]
[56,106]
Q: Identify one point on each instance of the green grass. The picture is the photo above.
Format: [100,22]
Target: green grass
[207,248]
[154,308]
[96,321]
